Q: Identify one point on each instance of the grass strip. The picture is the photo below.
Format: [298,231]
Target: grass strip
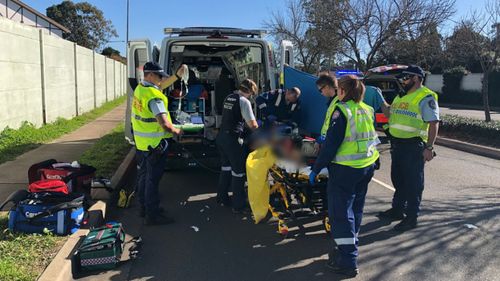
[16,142]
[107,153]
[23,257]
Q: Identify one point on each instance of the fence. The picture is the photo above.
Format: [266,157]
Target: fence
[470,82]
[43,77]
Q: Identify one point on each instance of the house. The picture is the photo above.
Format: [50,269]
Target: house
[20,12]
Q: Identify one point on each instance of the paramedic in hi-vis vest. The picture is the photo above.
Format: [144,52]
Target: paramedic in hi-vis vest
[152,128]
[349,151]
[236,114]
[413,127]
[327,87]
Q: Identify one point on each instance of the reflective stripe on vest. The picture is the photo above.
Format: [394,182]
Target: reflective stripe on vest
[358,149]
[406,119]
[328,116]
[147,133]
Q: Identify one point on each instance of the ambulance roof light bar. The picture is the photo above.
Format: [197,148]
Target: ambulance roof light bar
[209,31]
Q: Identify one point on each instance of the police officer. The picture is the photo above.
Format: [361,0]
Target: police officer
[152,128]
[327,87]
[279,105]
[237,112]
[349,152]
[413,126]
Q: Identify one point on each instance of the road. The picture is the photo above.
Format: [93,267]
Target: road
[472,113]
[461,190]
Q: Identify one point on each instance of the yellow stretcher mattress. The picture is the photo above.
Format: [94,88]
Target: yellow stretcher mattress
[258,164]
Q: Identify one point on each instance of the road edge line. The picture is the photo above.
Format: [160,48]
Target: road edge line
[383,184]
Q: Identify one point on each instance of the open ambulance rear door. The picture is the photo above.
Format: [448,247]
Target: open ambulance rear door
[138,53]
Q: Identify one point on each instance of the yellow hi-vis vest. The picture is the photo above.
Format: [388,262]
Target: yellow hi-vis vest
[328,116]
[358,150]
[146,129]
[406,119]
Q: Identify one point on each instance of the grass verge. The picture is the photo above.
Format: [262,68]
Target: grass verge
[16,142]
[470,130]
[107,153]
[23,257]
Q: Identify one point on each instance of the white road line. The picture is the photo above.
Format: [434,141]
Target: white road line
[384,184]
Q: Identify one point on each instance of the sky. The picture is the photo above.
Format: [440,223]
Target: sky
[149,17]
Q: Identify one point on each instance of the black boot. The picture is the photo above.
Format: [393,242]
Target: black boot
[391,214]
[406,224]
[346,271]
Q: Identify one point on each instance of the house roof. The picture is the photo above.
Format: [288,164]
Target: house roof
[37,13]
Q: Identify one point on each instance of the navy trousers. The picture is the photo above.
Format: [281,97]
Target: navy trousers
[233,166]
[407,175]
[150,168]
[346,193]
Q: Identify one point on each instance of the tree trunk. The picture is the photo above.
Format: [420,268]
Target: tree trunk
[484,91]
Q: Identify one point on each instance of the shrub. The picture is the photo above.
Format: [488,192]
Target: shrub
[472,130]
[452,79]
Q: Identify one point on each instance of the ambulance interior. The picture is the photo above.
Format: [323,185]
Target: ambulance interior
[215,71]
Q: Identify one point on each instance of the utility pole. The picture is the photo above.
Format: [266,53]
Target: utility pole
[126,39]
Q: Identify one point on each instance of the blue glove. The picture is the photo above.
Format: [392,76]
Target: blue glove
[259,123]
[312,178]
[321,139]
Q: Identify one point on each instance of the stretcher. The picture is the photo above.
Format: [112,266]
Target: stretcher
[290,192]
[282,188]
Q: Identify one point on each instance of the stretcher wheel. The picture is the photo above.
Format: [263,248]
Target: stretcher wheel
[282,228]
[326,224]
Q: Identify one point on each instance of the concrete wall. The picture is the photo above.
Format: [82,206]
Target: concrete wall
[20,79]
[434,82]
[85,79]
[44,77]
[59,67]
[470,82]
[100,79]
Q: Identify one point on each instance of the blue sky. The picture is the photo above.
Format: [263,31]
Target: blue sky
[149,17]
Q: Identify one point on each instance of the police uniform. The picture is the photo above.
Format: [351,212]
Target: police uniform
[327,121]
[349,152]
[151,142]
[408,126]
[272,106]
[236,111]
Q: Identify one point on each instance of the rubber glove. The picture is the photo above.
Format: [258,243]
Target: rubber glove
[312,178]
[321,139]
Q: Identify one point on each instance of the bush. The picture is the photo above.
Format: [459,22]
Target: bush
[471,130]
[452,79]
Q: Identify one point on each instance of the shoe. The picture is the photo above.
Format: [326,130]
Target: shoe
[406,224]
[346,271]
[158,220]
[142,211]
[224,202]
[391,214]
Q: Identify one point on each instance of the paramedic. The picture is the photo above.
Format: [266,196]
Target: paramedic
[152,128]
[413,126]
[237,111]
[327,87]
[349,152]
[279,105]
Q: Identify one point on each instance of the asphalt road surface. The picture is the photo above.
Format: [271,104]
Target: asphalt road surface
[458,237]
[471,113]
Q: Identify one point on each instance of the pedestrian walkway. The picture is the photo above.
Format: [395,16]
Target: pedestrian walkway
[14,174]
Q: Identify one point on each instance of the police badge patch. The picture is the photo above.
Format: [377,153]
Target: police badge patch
[432,104]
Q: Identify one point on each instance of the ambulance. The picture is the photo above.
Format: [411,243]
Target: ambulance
[218,58]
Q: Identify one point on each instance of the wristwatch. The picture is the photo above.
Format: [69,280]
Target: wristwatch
[429,147]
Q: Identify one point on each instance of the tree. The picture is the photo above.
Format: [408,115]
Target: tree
[460,54]
[365,26]
[313,49]
[108,51]
[89,28]
[482,39]
[423,48]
